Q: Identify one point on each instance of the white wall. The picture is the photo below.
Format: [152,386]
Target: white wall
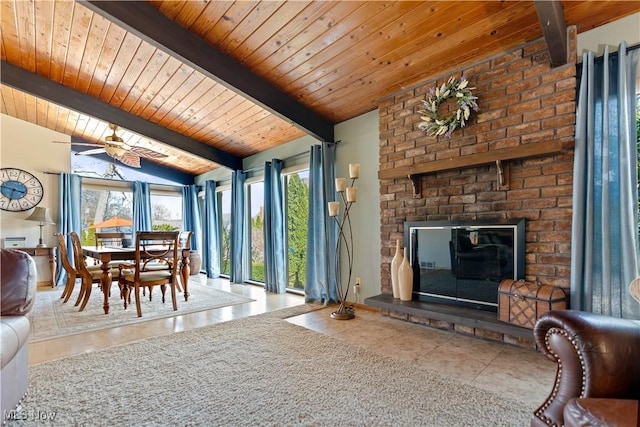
[29,147]
[359,142]
[290,151]
[626,29]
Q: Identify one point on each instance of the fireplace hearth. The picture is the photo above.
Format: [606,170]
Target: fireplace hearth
[458,266]
[447,316]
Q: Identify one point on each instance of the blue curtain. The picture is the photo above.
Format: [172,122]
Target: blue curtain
[191,214]
[141,208]
[69,219]
[211,231]
[321,284]
[604,252]
[274,229]
[238,226]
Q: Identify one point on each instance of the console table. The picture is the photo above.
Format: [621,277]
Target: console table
[49,253]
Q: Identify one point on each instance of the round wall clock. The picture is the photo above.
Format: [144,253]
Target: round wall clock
[19,190]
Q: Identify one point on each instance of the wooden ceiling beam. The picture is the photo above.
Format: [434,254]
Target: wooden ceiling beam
[41,87]
[554,29]
[143,20]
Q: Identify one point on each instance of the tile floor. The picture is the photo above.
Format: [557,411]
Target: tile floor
[519,373]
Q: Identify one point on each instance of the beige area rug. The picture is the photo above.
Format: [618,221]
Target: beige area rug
[256,371]
[52,318]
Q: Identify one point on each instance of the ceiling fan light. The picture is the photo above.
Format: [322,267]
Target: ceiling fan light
[114,138]
[115,152]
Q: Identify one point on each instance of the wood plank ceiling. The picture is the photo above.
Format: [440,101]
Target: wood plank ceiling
[210,82]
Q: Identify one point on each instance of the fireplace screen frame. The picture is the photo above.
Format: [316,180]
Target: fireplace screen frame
[470,282]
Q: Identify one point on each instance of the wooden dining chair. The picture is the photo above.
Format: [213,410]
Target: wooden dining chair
[72,273]
[184,241]
[159,248]
[109,239]
[89,274]
[112,239]
[69,268]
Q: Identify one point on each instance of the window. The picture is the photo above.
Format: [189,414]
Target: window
[297,211]
[108,200]
[255,196]
[105,201]
[107,194]
[224,202]
[166,210]
[296,183]
[92,167]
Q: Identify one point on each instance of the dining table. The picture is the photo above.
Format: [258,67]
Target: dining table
[107,254]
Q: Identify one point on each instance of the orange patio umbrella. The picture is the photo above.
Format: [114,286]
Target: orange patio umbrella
[113,222]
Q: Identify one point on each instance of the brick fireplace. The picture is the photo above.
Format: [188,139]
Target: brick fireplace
[522,101]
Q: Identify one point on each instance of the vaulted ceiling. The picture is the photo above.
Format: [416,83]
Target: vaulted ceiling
[207,83]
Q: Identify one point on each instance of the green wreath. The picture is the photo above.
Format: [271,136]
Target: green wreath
[432,123]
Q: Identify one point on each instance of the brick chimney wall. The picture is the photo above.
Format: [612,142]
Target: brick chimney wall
[522,100]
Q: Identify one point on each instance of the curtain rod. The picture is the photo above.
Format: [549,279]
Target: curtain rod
[612,55]
[259,168]
[125,181]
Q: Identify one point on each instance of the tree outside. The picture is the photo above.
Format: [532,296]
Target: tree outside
[297,216]
[225,232]
[257,247]
[226,249]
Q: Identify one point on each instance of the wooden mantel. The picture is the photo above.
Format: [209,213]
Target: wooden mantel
[477,159]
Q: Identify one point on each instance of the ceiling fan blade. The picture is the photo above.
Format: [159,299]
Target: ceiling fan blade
[147,153]
[90,152]
[84,144]
[130,159]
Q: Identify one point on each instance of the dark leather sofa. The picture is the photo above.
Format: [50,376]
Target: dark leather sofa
[17,292]
[598,369]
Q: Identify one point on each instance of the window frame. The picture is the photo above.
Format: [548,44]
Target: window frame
[303,167]
[248,239]
[219,190]
[105,184]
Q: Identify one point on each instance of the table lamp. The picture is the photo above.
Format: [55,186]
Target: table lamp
[42,216]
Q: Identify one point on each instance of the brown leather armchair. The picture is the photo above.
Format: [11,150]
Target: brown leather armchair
[598,357]
[17,295]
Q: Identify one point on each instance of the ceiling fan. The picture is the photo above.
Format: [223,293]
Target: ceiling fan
[115,147]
